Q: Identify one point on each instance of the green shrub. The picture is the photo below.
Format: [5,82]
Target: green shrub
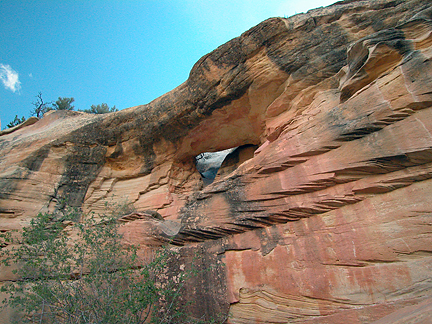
[100,109]
[16,121]
[89,279]
[63,104]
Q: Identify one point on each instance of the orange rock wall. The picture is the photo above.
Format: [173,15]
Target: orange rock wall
[323,213]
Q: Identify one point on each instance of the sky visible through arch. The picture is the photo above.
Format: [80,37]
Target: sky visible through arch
[123,53]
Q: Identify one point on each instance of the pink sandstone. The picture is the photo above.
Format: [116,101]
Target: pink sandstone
[322,214]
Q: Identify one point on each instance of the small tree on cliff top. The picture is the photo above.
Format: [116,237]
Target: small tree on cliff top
[92,279]
[100,109]
[16,121]
[63,104]
[40,106]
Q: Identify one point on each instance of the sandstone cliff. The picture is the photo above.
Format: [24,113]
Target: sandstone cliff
[323,213]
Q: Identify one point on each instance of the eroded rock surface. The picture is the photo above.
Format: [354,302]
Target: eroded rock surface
[323,212]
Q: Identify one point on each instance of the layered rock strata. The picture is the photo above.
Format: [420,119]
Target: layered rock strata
[323,212]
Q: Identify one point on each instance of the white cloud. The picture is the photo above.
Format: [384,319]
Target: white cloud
[9,77]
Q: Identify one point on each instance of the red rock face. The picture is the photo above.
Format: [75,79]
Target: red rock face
[323,213]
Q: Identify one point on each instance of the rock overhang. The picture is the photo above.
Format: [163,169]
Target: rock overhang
[332,109]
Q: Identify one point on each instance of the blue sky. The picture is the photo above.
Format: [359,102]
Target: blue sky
[123,53]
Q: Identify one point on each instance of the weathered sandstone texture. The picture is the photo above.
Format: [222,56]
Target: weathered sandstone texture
[324,212]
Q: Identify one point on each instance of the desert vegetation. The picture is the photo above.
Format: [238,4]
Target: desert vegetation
[40,107]
[73,268]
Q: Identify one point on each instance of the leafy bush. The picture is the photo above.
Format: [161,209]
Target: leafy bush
[41,107]
[16,121]
[100,109]
[89,279]
[63,104]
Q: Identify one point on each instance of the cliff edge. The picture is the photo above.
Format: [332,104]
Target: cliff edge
[320,214]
